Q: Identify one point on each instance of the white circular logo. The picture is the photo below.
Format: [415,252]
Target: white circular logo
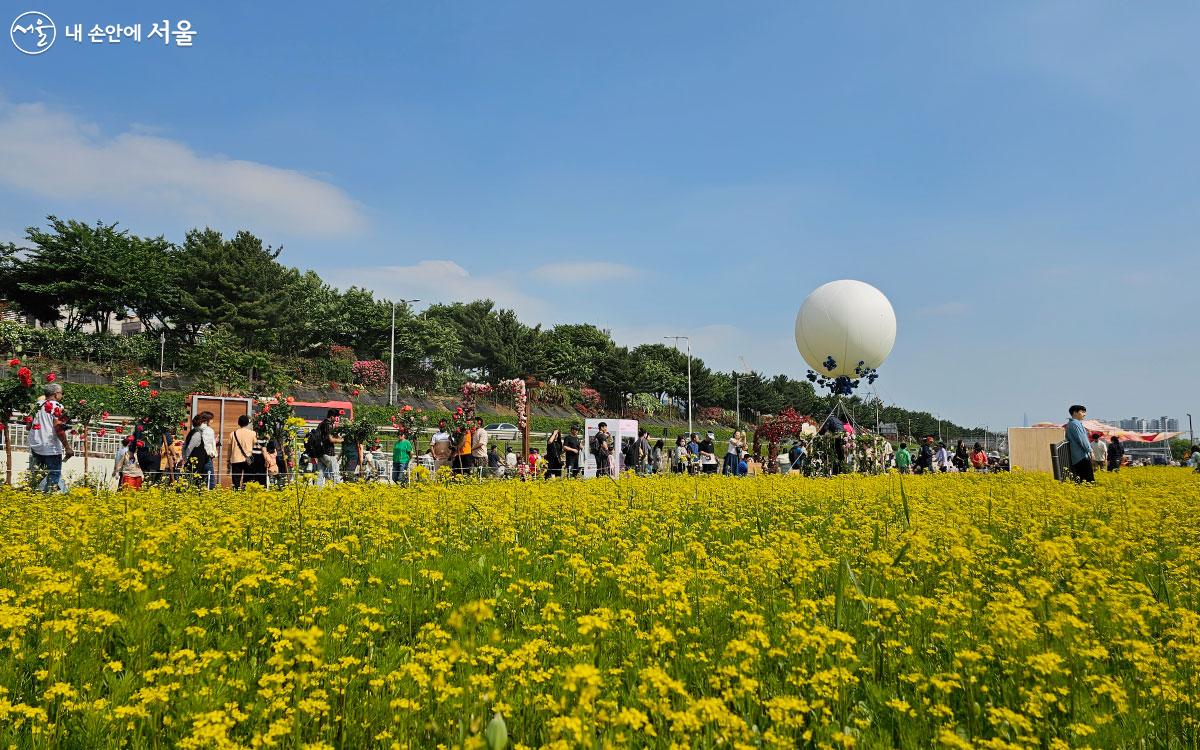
[33,32]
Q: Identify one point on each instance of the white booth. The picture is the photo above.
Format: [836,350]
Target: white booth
[619,429]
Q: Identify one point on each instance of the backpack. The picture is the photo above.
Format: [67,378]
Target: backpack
[314,446]
[594,444]
[198,453]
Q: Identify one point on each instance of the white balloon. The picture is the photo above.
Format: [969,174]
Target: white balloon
[848,320]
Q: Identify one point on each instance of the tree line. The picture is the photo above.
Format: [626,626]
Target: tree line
[213,294]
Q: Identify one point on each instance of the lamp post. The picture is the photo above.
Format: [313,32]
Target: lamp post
[392,354]
[737,389]
[689,373]
[162,356]
[1191,432]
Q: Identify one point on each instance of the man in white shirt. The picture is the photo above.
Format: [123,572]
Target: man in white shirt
[440,445]
[48,442]
[1099,452]
[201,448]
[479,445]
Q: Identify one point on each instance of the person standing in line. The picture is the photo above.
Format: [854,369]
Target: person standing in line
[327,464]
[708,454]
[200,449]
[657,458]
[903,459]
[402,452]
[462,453]
[49,445]
[643,452]
[979,459]
[126,469]
[554,455]
[733,452]
[270,456]
[693,449]
[241,452]
[571,448]
[493,461]
[602,446]
[510,460]
[1116,452]
[679,455]
[479,446]
[1099,452]
[941,459]
[961,459]
[1080,448]
[924,460]
[439,445]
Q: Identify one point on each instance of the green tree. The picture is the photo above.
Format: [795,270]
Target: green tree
[80,268]
[569,353]
[495,344]
[234,283]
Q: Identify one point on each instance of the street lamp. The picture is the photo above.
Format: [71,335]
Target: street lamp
[737,390]
[392,355]
[689,353]
[1191,432]
[162,356]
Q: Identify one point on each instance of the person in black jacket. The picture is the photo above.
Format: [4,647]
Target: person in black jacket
[602,446]
[1116,452]
[961,458]
[924,460]
[554,455]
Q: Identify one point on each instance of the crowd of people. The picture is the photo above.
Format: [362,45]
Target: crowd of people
[469,450]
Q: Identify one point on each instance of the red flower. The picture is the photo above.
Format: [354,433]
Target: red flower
[140,444]
[354,392]
[83,401]
[342,412]
[406,408]
[266,408]
[14,362]
[51,377]
[120,430]
[153,394]
[104,415]
[36,427]
[143,383]
[291,399]
[100,432]
[49,407]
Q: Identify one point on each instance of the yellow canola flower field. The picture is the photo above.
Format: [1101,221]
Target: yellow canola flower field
[988,611]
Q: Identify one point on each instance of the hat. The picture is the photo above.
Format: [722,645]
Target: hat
[711,435]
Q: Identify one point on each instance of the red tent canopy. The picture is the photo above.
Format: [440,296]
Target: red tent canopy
[1107,430]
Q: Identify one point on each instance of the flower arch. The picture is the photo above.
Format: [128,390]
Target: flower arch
[787,424]
[472,391]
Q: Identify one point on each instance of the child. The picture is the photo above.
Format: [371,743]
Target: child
[127,467]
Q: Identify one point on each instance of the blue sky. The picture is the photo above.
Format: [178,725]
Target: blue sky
[1021,179]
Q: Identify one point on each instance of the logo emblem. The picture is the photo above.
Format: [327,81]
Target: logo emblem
[32,32]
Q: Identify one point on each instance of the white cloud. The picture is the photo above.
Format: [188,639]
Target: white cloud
[584,272]
[441,281]
[56,155]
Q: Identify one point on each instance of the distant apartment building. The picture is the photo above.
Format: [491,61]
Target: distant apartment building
[1143,424]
